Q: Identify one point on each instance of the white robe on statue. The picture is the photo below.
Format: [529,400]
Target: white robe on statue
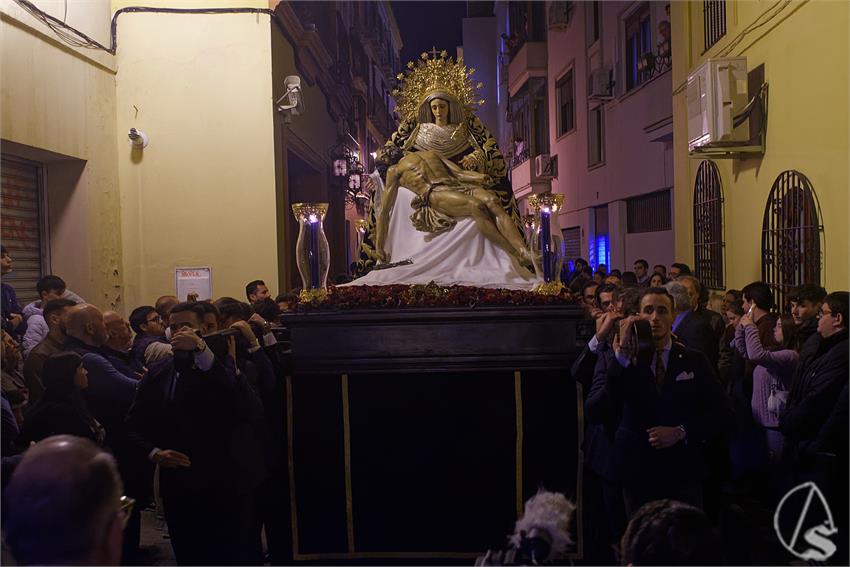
[460,256]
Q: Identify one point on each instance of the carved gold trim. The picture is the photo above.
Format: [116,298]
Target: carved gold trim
[291,462]
[346,441]
[520,501]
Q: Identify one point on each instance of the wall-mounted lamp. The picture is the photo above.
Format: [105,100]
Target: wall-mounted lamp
[138,139]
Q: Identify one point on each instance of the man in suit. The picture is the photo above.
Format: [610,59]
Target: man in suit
[690,328]
[670,408]
[187,418]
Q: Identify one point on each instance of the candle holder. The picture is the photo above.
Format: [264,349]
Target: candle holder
[529,228]
[312,253]
[547,242]
[361,226]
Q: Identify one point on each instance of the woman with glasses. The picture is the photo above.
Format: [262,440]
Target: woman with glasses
[62,409]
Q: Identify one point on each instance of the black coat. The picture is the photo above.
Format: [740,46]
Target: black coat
[690,396]
[602,415]
[818,382]
[695,333]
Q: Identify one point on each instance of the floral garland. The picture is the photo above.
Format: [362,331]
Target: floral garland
[400,296]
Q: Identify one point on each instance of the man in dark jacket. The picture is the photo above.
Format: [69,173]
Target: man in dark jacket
[185,418]
[670,408]
[806,301]
[150,344]
[690,328]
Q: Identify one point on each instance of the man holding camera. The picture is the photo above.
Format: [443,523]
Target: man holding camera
[670,407]
[185,418]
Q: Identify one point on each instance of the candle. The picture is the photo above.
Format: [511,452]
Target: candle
[546,243]
[314,251]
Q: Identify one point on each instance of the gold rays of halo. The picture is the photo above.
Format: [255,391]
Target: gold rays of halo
[435,71]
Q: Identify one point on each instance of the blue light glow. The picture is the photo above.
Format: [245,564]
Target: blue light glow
[600,253]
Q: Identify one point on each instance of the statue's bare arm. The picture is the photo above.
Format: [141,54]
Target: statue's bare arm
[387,205]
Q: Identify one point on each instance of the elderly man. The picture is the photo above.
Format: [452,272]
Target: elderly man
[670,407]
[64,505]
[118,344]
[52,312]
[110,392]
[691,329]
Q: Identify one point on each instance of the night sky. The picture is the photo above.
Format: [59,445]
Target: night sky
[427,24]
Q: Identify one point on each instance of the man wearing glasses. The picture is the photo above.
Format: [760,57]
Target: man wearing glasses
[150,343]
[64,505]
[818,381]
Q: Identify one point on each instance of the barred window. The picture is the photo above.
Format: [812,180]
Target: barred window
[649,213]
[708,226]
[791,248]
[714,21]
[638,41]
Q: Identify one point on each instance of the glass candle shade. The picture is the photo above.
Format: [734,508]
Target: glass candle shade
[548,242]
[312,253]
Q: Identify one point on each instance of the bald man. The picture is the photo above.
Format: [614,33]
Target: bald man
[110,392]
[118,343]
[164,305]
[64,505]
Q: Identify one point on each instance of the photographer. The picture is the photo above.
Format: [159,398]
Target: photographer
[183,418]
[670,406]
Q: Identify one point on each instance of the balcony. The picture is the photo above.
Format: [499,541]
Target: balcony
[530,61]
[523,180]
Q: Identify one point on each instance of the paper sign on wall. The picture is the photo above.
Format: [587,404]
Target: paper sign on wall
[193,280]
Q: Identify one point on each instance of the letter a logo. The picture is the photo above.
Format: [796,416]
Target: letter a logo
[803,523]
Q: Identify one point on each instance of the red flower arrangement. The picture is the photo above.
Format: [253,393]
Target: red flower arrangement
[431,295]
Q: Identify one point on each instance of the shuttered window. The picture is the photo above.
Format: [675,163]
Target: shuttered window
[649,213]
[22,225]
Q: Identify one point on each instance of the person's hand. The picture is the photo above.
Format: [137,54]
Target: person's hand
[15,320]
[622,342]
[255,318]
[662,437]
[169,459]
[142,374]
[192,296]
[747,320]
[186,339]
[246,331]
[597,314]
[605,324]
[468,161]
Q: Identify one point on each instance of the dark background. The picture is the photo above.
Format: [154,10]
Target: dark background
[424,25]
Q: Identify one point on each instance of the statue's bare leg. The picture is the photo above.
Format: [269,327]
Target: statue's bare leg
[456,204]
[504,222]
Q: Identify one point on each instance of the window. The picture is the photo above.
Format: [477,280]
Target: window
[638,42]
[595,136]
[24,225]
[592,22]
[708,226]
[572,245]
[791,249]
[530,121]
[649,213]
[714,21]
[565,100]
[600,247]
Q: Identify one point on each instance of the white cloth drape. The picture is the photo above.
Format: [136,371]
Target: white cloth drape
[461,256]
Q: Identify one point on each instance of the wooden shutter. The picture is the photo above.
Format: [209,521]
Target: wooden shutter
[21,203]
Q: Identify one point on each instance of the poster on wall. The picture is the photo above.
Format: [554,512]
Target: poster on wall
[195,281]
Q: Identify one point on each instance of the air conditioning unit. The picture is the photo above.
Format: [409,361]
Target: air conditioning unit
[599,84]
[717,91]
[546,166]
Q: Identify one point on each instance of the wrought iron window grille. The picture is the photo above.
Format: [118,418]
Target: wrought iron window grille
[708,226]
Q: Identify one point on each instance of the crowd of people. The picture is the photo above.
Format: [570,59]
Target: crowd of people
[727,398]
[732,402]
[182,404]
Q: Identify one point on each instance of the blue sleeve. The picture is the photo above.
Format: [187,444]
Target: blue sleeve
[107,381]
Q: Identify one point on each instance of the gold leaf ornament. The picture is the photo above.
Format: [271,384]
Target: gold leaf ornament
[435,72]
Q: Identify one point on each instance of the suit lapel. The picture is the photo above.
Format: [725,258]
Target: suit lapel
[675,363]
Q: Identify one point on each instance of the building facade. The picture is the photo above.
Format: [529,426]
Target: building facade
[215,184]
[590,116]
[781,212]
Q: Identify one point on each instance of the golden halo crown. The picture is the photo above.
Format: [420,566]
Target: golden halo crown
[435,72]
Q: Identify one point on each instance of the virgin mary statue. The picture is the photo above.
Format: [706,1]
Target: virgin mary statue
[443,210]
